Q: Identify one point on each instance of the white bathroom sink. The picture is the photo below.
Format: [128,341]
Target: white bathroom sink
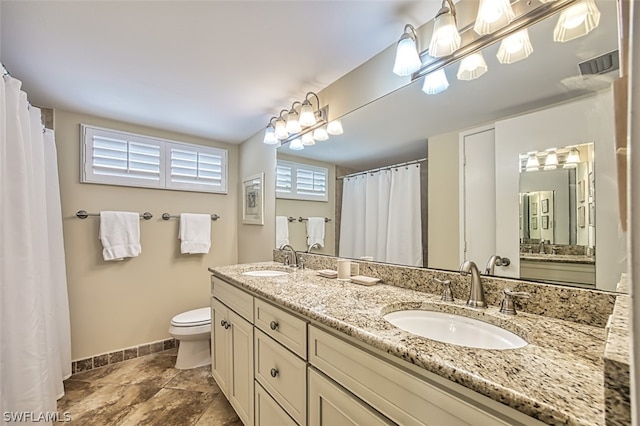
[455,329]
[265,273]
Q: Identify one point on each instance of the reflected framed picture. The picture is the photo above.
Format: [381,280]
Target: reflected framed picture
[253,199]
[581,191]
[534,223]
[534,209]
[581,218]
[592,214]
[545,222]
[592,185]
[545,205]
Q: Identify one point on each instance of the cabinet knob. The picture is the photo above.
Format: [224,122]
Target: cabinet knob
[227,325]
[274,372]
[223,322]
[273,325]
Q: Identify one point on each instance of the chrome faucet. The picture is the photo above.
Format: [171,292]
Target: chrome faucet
[313,246]
[541,247]
[295,255]
[476,293]
[496,261]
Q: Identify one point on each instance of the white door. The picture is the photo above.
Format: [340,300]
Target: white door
[478,203]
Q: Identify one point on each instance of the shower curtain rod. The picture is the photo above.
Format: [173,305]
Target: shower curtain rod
[383,168]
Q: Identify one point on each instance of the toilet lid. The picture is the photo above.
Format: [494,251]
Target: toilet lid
[195,317]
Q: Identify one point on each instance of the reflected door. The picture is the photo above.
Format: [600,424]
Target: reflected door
[479,196]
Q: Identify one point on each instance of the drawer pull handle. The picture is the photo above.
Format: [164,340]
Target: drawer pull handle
[273,325]
[274,372]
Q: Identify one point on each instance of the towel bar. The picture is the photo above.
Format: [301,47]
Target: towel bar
[167,216]
[302,219]
[82,214]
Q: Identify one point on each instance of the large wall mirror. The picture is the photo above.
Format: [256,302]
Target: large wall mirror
[465,180]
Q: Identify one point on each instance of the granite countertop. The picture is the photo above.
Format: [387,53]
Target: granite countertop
[558,258]
[557,378]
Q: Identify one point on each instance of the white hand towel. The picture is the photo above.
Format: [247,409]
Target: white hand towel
[195,233]
[120,235]
[315,231]
[282,231]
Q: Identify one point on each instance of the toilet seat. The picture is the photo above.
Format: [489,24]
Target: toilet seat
[193,318]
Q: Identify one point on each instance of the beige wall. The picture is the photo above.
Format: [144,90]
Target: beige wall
[117,305]
[256,242]
[300,208]
[444,203]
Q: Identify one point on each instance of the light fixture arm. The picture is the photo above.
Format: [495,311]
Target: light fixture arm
[410,31]
[307,101]
[448,7]
[293,107]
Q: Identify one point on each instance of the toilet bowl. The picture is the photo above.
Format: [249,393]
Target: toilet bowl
[193,331]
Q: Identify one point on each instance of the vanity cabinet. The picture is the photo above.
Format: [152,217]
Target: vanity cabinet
[232,348]
[267,410]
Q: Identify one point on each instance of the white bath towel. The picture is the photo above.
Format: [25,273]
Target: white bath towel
[120,235]
[315,231]
[195,233]
[282,231]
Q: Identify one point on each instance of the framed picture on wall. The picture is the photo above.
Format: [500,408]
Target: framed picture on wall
[545,222]
[581,191]
[534,223]
[581,217]
[253,199]
[545,205]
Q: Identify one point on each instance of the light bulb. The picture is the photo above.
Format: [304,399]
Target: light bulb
[407,57]
[493,15]
[293,125]
[551,162]
[472,67]
[270,135]
[515,48]
[577,20]
[573,157]
[335,127]
[307,139]
[281,129]
[445,39]
[307,117]
[532,162]
[320,134]
[435,82]
[296,144]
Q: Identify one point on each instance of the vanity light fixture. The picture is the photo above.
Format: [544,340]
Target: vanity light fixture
[435,82]
[577,20]
[551,161]
[335,128]
[407,57]
[281,126]
[515,48]
[472,67]
[296,144]
[307,139]
[307,113]
[493,15]
[446,38]
[270,133]
[293,125]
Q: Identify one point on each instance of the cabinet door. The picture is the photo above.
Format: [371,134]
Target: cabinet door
[268,412]
[331,405]
[220,347]
[241,345]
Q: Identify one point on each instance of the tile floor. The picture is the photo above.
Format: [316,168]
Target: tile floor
[146,391]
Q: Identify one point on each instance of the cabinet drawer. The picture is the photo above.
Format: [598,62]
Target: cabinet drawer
[282,374]
[268,412]
[401,396]
[236,299]
[287,329]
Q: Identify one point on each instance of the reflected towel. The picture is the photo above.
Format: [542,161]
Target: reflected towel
[195,233]
[120,235]
[282,231]
[315,231]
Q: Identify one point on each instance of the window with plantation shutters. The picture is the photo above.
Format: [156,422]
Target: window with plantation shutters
[119,158]
[300,181]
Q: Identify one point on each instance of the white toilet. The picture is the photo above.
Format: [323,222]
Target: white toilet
[193,330]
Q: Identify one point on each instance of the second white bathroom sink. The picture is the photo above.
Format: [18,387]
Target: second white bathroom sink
[455,329]
[265,273]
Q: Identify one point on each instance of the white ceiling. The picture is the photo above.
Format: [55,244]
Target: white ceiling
[215,69]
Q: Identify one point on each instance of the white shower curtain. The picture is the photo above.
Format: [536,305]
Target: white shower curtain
[34,313]
[381,216]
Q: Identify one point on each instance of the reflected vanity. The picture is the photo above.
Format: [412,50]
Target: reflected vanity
[524,110]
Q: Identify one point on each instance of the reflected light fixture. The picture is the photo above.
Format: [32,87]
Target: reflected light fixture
[551,161]
[407,57]
[335,128]
[472,67]
[577,20]
[293,123]
[307,113]
[270,133]
[296,144]
[307,139]
[446,38]
[493,15]
[435,82]
[532,162]
[515,48]
[574,156]
[320,134]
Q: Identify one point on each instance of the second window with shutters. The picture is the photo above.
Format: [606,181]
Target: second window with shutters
[300,181]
